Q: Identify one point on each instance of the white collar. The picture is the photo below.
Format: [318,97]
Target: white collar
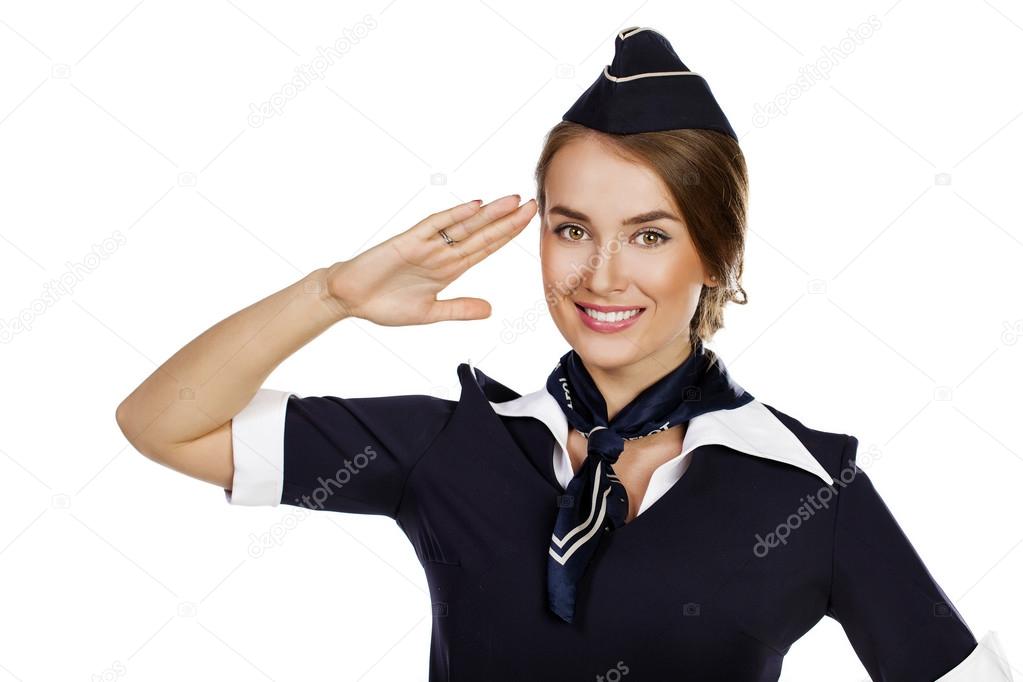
[751,429]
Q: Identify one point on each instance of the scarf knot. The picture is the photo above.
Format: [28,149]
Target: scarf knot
[605,443]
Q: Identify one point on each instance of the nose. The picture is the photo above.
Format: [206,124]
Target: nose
[606,271]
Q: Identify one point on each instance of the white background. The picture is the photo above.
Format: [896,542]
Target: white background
[882,267]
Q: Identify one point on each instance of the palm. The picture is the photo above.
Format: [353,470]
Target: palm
[396,283]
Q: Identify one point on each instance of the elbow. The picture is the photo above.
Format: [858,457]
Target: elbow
[121,413]
[132,431]
[121,416]
[124,422]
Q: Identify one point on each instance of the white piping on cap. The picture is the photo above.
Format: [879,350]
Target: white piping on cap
[633,30]
[619,79]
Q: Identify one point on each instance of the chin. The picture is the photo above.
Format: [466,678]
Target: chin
[607,351]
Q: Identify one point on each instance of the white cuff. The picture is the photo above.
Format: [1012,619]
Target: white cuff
[257,439]
[987,663]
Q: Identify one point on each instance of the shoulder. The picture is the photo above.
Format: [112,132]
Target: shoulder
[474,382]
[834,451]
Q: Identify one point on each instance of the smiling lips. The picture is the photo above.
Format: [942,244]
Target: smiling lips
[608,318]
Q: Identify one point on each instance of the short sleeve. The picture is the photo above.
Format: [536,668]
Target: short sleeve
[899,621]
[330,453]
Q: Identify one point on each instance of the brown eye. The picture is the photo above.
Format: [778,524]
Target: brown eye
[578,231]
[660,238]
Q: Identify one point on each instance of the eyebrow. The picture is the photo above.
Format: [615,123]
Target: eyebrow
[647,217]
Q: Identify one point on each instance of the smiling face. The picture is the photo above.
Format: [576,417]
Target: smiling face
[612,238]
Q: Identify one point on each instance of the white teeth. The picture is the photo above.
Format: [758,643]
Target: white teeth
[612,317]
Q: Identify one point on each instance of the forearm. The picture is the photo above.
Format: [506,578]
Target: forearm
[208,381]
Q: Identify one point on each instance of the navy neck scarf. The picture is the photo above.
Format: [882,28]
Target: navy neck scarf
[595,501]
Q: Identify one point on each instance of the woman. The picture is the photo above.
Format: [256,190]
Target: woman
[641,513]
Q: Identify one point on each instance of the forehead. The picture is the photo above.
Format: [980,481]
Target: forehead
[592,177]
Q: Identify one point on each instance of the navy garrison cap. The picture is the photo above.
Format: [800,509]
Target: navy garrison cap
[646,88]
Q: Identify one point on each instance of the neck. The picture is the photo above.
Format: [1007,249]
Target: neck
[621,385]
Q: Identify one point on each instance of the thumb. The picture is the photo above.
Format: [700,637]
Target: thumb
[463,308]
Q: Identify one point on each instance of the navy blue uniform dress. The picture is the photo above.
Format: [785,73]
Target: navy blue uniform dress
[771,527]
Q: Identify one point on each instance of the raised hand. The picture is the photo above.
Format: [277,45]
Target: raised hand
[396,282]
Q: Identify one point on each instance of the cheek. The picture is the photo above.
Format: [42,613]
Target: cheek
[559,266]
[675,283]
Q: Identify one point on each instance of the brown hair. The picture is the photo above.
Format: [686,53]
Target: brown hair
[705,173]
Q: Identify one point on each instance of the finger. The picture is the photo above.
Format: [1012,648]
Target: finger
[487,214]
[463,308]
[432,224]
[489,239]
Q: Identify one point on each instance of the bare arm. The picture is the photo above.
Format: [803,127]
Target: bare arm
[180,416]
